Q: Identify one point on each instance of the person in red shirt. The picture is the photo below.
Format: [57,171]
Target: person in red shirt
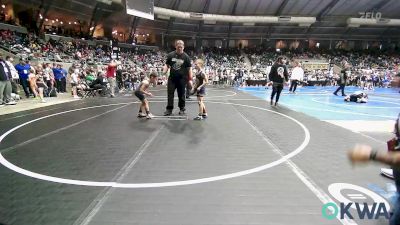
[111,74]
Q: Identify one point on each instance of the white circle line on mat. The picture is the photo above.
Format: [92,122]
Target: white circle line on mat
[281,160]
[359,105]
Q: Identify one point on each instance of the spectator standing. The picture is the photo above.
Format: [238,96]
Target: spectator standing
[14,74]
[23,69]
[297,76]
[111,76]
[5,83]
[60,78]
[74,83]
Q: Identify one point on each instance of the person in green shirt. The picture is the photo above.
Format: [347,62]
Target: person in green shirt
[90,77]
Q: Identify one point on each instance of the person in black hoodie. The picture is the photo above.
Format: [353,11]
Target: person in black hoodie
[344,75]
[5,83]
[278,76]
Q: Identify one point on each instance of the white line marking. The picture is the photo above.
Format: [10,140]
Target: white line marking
[100,200]
[40,105]
[379,141]
[207,97]
[268,91]
[58,130]
[343,112]
[33,113]
[163,184]
[336,111]
[359,105]
[208,88]
[314,188]
[170,118]
[394,98]
[355,195]
[28,114]
[374,139]
[358,198]
[246,99]
[336,189]
[319,109]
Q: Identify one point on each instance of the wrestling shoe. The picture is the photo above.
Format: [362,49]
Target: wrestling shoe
[11,103]
[141,115]
[387,173]
[168,112]
[198,118]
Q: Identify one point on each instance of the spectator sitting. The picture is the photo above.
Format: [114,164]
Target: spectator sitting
[90,77]
[98,84]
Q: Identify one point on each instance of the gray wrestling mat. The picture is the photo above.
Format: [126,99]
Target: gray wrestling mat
[93,162]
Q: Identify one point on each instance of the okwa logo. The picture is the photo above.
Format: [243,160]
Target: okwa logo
[355,203]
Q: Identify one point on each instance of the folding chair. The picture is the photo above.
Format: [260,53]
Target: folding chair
[87,90]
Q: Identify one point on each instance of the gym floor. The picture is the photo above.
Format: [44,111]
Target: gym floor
[94,162]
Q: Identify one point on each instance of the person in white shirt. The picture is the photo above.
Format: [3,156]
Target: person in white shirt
[14,74]
[216,79]
[297,75]
[48,75]
[74,83]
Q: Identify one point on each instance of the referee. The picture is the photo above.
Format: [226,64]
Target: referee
[179,65]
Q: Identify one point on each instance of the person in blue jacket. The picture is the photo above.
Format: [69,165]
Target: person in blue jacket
[60,77]
[23,69]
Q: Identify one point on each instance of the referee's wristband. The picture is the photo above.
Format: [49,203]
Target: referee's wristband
[373,154]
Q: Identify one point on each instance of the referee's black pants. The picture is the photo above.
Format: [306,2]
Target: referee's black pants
[276,90]
[178,84]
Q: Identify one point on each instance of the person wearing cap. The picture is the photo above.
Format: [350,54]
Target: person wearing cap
[23,69]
